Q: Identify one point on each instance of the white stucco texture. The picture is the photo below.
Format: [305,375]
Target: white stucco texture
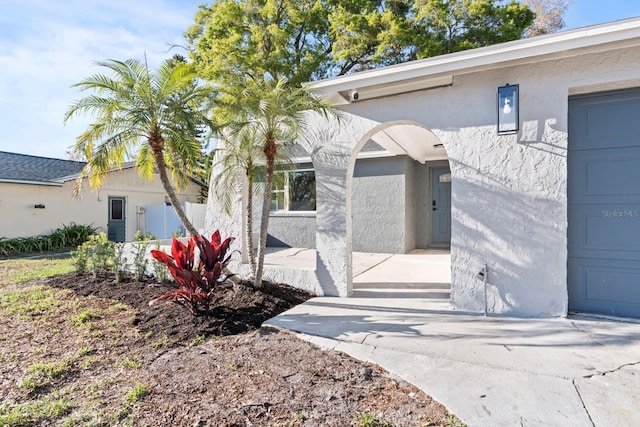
[509,198]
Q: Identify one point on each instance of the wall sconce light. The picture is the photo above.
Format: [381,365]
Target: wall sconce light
[39,206]
[508,109]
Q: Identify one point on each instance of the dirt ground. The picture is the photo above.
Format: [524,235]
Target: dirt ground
[128,363]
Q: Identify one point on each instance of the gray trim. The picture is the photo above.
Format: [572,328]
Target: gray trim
[25,182]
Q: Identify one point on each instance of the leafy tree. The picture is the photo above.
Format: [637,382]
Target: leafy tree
[160,114]
[279,38]
[273,114]
[445,26]
[368,34]
[303,40]
[549,16]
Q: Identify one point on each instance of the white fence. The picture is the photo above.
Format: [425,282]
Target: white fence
[162,222]
[196,213]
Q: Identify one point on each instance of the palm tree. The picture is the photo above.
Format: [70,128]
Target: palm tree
[276,114]
[240,159]
[161,115]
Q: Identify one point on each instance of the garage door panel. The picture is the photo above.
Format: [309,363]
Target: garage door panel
[605,231]
[612,119]
[605,173]
[604,203]
[606,287]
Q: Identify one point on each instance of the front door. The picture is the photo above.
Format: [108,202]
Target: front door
[117,219]
[441,206]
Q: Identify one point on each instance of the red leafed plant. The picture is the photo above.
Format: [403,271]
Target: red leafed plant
[193,288]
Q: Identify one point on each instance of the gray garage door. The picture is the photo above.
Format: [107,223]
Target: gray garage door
[604,203]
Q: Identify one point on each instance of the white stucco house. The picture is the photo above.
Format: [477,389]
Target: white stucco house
[522,156]
[36,197]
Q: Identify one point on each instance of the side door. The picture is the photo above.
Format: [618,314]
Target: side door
[116,226]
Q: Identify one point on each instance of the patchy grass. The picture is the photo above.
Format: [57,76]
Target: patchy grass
[33,412]
[372,420]
[197,340]
[42,373]
[73,360]
[131,364]
[33,303]
[138,392]
[20,271]
[55,345]
[85,317]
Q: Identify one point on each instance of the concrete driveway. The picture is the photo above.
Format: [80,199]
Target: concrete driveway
[489,371]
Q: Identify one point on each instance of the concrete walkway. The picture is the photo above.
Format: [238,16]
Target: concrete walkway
[489,371]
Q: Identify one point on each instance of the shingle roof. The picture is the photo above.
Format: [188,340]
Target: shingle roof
[26,168]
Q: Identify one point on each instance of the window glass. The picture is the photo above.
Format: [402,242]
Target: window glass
[277,200]
[294,191]
[302,191]
[445,177]
[116,209]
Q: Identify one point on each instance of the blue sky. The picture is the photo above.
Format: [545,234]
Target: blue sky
[48,45]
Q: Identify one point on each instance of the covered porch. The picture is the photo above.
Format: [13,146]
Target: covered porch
[421,273]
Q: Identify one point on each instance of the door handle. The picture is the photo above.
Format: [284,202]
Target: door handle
[433,204]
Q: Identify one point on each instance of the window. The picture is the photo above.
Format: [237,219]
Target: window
[294,191]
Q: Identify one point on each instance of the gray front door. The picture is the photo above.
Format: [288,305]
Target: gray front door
[117,219]
[441,206]
[604,203]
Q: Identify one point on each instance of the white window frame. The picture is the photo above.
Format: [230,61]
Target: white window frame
[285,190]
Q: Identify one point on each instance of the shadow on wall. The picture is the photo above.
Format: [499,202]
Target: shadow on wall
[330,156]
[518,228]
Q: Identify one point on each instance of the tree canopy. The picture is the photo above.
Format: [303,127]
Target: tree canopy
[158,115]
[302,40]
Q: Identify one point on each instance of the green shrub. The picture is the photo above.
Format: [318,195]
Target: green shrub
[159,269]
[99,253]
[81,259]
[67,236]
[140,260]
[120,262]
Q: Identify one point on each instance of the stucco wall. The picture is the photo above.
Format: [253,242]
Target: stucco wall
[383,210]
[378,205]
[411,187]
[509,201]
[509,192]
[293,230]
[20,219]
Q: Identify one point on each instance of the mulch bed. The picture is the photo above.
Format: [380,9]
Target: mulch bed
[221,369]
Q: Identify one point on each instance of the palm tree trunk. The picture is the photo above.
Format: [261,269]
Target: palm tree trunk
[249,227]
[171,192]
[270,154]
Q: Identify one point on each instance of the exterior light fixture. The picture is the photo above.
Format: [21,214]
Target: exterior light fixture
[38,206]
[508,109]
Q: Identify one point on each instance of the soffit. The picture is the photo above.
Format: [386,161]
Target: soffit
[440,71]
[414,141]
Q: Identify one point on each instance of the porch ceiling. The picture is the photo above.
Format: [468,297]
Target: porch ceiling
[415,141]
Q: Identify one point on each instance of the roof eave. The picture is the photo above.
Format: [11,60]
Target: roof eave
[563,44]
[28,182]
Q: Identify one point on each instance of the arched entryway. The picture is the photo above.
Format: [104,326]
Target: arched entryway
[399,208]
